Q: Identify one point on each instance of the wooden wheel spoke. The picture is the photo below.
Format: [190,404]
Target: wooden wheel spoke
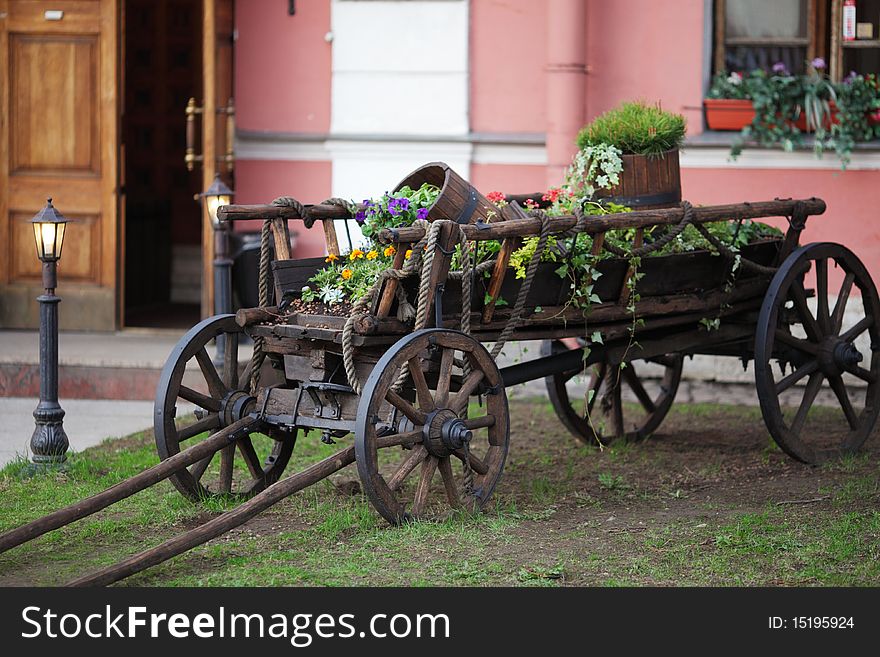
[810,392]
[423,393]
[227,460]
[839,389]
[215,384]
[249,454]
[207,423]
[857,329]
[823,316]
[480,422]
[230,361]
[811,326]
[798,343]
[444,378]
[197,398]
[429,466]
[840,306]
[410,411]
[397,439]
[416,456]
[476,462]
[198,470]
[617,411]
[632,379]
[862,373]
[445,467]
[804,370]
[467,388]
[595,386]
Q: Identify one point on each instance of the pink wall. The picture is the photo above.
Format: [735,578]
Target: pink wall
[508,47]
[646,49]
[262,181]
[508,178]
[851,197]
[282,66]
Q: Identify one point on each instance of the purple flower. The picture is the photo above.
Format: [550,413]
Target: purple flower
[818,64]
[360,217]
[422,213]
[849,79]
[403,203]
[779,67]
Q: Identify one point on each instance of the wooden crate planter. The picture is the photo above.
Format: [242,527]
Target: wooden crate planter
[647,181]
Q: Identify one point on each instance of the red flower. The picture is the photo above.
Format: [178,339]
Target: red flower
[495,197]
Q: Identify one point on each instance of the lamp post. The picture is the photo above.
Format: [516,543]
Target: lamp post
[216,195]
[49,441]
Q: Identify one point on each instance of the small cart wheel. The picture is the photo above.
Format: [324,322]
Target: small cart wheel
[835,345]
[598,416]
[449,415]
[221,398]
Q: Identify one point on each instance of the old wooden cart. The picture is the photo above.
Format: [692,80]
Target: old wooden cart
[424,395]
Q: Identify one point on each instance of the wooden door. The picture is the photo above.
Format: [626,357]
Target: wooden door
[59,139]
[217,121]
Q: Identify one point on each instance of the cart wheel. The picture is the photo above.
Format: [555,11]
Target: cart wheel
[434,422]
[595,426]
[220,400]
[829,346]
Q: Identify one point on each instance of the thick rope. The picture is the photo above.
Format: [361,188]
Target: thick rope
[726,252]
[687,218]
[264,284]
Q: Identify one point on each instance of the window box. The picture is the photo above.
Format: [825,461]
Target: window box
[728,113]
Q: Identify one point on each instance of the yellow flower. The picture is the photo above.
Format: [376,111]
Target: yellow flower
[354,255]
[408,254]
[347,273]
[372,255]
[331,257]
[389,251]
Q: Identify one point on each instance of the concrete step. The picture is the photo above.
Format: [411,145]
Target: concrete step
[123,365]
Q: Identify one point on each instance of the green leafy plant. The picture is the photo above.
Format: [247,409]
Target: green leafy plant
[635,128]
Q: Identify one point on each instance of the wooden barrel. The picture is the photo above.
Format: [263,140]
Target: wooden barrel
[647,181]
[458,201]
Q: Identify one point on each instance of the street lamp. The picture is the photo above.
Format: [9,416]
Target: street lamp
[49,442]
[216,195]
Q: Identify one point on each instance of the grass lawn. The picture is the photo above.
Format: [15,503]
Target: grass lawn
[707,501]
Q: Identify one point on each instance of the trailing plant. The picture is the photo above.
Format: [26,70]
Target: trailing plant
[635,128]
[858,114]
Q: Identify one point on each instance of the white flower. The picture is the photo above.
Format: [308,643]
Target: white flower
[331,295]
[735,78]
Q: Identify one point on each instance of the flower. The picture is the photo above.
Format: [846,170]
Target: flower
[818,64]
[781,68]
[531,203]
[347,273]
[552,195]
[407,254]
[372,255]
[422,213]
[360,217]
[389,251]
[354,255]
[495,197]
[735,78]
[331,257]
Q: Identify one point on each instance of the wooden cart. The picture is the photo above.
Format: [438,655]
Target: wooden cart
[424,394]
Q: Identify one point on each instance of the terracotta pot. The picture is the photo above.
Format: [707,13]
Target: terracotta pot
[728,113]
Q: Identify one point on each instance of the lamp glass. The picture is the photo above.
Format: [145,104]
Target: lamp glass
[49,237]
[214,202]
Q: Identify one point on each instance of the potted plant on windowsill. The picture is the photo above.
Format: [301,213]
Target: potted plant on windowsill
[728,104]
[648,138]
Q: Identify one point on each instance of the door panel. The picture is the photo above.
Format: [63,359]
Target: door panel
[58,138]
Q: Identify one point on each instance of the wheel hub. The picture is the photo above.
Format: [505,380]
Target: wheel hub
[444,432]
[234,406]
[837,356]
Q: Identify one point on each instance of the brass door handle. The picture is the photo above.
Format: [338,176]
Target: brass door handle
[229,156]
[190,156]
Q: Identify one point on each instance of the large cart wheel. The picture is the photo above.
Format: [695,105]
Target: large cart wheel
[451,416]
[823,348]
[598,415]
[220,399]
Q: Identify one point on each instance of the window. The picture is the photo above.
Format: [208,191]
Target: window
[752,34]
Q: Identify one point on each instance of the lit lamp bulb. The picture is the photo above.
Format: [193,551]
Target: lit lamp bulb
[217,194]
[49,233]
